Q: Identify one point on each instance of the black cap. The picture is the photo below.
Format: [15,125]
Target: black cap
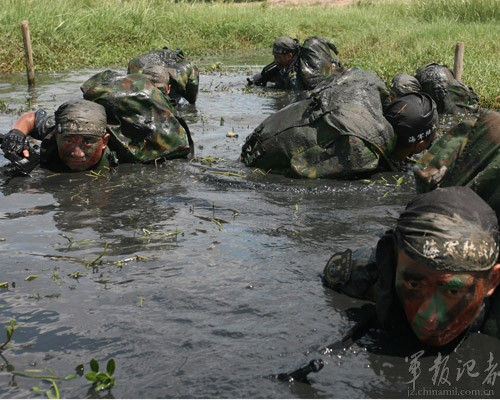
[413,117]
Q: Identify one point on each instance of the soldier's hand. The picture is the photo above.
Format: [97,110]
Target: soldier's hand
[15,143]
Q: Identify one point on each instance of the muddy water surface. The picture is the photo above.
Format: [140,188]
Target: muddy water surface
[200,278]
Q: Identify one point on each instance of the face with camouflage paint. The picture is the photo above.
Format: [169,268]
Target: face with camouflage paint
[283,59]
[81,152]
[439,305]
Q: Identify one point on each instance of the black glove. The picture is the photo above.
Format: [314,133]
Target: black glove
[14,142]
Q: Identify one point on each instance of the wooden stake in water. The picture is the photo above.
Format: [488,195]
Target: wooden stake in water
[29,54]
[458,65]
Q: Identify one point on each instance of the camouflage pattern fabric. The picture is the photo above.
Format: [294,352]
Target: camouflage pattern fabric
[318,59]
[468,155]
[142,122]
[315,60]
[184,75]
[338,132]
[450,95]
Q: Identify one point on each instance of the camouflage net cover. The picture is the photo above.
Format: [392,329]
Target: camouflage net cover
[184,76]
[140,118]
[339,131]
[450,95]
[318,59]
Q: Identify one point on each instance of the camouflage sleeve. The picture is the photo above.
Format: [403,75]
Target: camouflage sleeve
[352,273]
[485,184]
[43,124]
[430,169]
[192,85]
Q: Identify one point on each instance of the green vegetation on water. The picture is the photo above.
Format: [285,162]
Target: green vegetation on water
[387,37]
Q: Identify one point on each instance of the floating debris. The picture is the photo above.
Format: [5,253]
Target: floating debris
[231,134]
[30,277]
[75,275]
[94,262]
[216,221]
[227,173]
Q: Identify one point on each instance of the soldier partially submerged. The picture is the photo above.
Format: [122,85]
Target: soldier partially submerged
[133,122]
[184,75]
[438,81]
[435,273]
[144,126]
[299,67]
[342,130]
[73,139]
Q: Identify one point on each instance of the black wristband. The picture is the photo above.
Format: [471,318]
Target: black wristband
[16,132]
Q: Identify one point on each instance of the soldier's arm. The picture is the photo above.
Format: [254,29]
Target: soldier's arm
[352,272]
[15,140]
[268,74]
[25,123]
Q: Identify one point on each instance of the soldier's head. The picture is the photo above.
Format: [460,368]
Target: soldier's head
[160,76]
[81,133]
[447,262]
[402,84]
[413,117]
[284,49]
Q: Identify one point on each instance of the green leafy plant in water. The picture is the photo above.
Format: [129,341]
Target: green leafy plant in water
[10,331]
[101,380]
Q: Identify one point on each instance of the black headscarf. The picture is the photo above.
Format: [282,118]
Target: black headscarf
[413,117]
[285,45]
[447,229]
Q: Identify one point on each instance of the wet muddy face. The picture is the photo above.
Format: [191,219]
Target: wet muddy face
[80,152]
[439,305]
[283,59]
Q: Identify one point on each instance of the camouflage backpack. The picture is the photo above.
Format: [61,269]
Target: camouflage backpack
[142,121]
[184,76]
[318,59]
[450,95]
[338,132]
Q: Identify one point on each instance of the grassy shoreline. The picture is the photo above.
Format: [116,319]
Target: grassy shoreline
[386,37]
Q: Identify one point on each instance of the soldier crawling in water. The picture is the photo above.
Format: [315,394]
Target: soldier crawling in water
[297,67]
[121,119]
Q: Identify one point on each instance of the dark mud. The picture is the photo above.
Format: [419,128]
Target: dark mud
[209,277]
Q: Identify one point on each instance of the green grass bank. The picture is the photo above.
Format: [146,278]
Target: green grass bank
[387,37]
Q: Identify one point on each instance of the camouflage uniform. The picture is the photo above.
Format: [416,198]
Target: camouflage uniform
[315,60]
[184,75]
[338,132]
[438,81]
[468,155]
[142,122]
